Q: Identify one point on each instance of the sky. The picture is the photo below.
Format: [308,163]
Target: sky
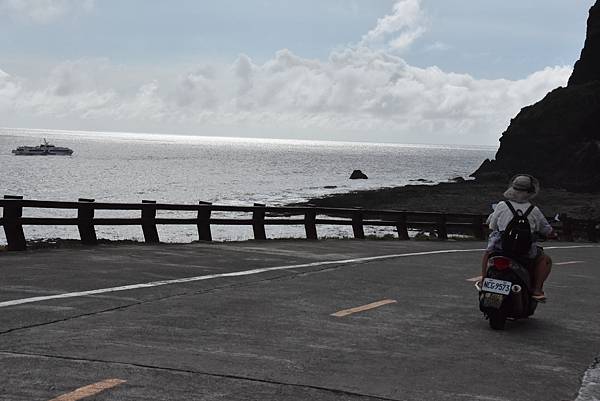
[400,71]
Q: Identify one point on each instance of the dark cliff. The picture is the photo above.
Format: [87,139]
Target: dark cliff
[587,68]
[558,138]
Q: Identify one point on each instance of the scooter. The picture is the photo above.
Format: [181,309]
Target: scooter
[504,292]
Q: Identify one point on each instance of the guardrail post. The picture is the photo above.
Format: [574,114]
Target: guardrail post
[310,225]
[149,222]
[357,224]
[13,229]
[258,222]
[442,231]
[204,211]
[85,221]
[592,229]
[567,227]
[401,227]
[478,228]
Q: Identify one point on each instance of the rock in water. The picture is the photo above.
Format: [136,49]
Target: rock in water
[357,174]
[558,138]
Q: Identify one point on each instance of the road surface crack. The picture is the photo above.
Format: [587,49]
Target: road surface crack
[197,372]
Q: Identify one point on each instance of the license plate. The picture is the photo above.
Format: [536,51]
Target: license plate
[496,286]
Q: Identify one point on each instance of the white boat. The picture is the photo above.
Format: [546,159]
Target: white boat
[45,149]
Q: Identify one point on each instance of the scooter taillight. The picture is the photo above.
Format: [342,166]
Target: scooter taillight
[501,263]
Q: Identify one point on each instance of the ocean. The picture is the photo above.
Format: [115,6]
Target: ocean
[127,167]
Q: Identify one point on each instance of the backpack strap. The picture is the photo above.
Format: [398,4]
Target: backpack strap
[510,206]
[529,209]
[514,212]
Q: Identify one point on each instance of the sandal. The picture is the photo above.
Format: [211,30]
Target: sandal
[540,296]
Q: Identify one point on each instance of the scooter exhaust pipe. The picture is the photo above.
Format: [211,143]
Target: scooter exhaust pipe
[516,288]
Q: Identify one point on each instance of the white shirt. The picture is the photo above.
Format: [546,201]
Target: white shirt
[502,215]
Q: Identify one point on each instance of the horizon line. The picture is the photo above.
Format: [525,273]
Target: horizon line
[149,135]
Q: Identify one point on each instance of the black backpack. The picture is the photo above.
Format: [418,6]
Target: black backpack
[517,237]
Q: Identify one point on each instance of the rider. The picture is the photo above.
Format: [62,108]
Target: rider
[522,189]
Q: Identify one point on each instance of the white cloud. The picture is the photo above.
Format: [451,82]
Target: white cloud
[44,11]
[399,29]
[9,90]
[360,91]
[196,89]
[437,47]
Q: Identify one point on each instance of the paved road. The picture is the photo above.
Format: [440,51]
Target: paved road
[201,331]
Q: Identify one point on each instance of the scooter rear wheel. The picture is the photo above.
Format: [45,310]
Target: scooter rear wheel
[497,319]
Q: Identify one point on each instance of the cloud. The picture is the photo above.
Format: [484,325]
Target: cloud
[196,89]
[356,93]
[399,29]
[437,47]
[9,90]
[44,11]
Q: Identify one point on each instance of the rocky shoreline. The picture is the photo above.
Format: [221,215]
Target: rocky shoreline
[471,196]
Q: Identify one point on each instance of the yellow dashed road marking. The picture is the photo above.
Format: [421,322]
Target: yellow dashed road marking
[373,305]
[89,390]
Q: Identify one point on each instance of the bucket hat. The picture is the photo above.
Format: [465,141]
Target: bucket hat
[523,187]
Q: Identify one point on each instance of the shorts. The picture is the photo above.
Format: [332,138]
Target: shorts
[525,261]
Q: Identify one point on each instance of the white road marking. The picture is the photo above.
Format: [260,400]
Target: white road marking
[244,273]
[590,384]
[573,262]
[572,247]
[220,275]
[474,279]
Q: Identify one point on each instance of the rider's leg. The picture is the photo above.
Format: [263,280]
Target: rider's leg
[541,271]
[484,262]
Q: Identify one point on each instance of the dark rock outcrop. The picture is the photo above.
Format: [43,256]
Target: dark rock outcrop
[558,138]
[587,68]
[357,174]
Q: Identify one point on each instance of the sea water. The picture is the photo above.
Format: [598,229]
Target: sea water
[125,167]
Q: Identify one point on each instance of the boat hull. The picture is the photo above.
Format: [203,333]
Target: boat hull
[44,149]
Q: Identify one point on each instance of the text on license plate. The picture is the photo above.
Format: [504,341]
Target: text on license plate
[497,286]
